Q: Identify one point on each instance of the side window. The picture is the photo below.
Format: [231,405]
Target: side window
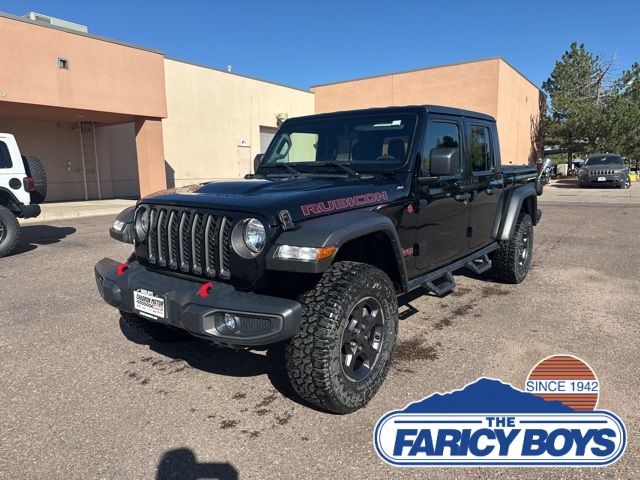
[5,158]
[439,135]
[480,148]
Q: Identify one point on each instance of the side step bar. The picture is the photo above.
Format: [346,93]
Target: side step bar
[480,265]
[438,274]
[440,286]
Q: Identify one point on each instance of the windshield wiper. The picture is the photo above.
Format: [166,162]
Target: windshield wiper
[288,168]
[336,165]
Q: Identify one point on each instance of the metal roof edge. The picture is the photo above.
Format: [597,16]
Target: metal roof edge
[221,70]
[75,32]
[412,70]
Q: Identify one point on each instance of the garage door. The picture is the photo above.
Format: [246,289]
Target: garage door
[266,135]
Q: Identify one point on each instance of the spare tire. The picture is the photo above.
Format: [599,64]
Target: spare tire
[33,167]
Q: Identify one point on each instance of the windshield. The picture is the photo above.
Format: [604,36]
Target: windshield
[364,143]
[604,160]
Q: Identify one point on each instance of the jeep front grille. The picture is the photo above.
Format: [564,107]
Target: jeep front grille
[190,242]
[603,172]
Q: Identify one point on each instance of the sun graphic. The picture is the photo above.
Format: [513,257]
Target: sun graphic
[566,379]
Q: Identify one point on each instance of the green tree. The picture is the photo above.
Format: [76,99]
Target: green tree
[578,91]
[622,116]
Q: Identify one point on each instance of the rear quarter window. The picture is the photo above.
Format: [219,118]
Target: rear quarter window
[5,158]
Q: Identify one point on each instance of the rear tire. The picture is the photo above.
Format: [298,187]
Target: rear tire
[341,355]
[512,260]
[9,231]
[33,167]
[151,330]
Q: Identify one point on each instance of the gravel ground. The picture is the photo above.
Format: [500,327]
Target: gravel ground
[83,397]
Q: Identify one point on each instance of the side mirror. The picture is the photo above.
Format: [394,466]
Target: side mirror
[444,162]
[256,161]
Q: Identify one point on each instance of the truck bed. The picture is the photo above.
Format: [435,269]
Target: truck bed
[520,173]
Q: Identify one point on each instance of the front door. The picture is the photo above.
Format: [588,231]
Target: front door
[486,183]
[443,213]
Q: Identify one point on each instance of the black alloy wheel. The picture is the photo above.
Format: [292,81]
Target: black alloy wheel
[362,339]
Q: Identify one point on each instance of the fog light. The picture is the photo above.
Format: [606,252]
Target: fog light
[230,321]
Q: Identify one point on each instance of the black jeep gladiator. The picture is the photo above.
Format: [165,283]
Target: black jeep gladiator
[345,213]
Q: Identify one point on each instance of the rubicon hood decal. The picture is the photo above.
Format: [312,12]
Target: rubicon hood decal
[343,203]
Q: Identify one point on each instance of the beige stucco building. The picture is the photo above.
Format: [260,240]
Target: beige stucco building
[490,86]
[215,118]
[110,119]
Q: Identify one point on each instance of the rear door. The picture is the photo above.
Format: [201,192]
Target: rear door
[486,181]
[442,215]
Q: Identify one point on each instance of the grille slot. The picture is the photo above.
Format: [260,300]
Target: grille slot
[191,242]
[603,172]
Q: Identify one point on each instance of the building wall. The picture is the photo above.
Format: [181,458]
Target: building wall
[102,75]
[472,86]
[517,116]
[212,129]
[58,147]
[488,86]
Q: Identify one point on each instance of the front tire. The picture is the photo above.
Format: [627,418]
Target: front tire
[9,231]
[341,355]
[151,330]
[511,262]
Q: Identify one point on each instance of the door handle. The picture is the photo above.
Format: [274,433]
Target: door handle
[490,191]
[462,197]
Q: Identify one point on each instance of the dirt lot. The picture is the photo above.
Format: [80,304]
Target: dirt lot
[83,397]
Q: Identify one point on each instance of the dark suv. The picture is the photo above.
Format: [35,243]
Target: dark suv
[346,212]
[604,169]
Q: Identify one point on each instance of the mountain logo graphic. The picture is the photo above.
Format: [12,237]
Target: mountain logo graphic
[493,423]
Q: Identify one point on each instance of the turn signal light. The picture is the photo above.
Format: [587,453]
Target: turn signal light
[326,252]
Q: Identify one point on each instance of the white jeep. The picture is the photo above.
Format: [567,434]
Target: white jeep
[23,185]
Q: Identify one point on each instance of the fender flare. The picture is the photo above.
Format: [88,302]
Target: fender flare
[508,210]
[335,230]
[10,194]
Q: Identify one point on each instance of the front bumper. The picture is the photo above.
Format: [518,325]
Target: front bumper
[617,179]
[263,320]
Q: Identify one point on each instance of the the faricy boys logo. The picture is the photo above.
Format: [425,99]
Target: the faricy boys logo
[492,423]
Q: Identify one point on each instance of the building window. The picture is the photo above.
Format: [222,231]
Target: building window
[63,63]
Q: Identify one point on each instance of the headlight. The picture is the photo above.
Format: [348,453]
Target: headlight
[254,235]
[248,237]
[305,254]
[142,224]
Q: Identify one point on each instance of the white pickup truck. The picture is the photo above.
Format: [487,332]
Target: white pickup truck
[23,185]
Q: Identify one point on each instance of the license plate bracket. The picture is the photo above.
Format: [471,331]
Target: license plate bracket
[602,179]
[149,304]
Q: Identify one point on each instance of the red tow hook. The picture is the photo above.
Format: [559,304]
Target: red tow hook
[123,267]
[204,289]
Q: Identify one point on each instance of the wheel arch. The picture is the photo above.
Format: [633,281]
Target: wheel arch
[511,204]
[355,234]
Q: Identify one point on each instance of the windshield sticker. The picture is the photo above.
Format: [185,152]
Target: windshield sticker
[553,423]
[342,203]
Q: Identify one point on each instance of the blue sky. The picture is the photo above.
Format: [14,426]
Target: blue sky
[305,43]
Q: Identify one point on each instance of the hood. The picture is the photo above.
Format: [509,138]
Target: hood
[616,166]
[304,197]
